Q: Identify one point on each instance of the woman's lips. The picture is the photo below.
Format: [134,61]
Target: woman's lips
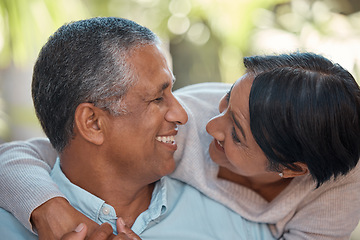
[218,145]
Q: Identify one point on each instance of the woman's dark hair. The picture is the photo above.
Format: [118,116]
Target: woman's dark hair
[304,108]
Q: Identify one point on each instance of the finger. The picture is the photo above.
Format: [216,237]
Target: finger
[103,232]
[122,228]
[78,234]
[121,236]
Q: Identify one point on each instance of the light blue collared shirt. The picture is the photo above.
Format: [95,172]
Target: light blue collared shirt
[177,211]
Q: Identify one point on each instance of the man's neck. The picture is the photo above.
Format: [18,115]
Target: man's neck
[128,201]
[130,205]
[129,198]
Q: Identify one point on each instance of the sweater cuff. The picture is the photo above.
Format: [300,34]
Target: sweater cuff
[25,219]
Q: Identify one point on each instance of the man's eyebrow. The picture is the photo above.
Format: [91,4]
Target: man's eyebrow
[162,87]
[167,84]
[238,124]
[159,89]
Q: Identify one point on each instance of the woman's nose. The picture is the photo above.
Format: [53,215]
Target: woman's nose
[215,127]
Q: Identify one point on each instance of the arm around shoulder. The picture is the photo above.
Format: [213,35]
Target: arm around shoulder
[329,212]
[25,182]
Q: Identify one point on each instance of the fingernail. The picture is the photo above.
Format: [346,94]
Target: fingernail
[79,227]
[122,225]
[121,221]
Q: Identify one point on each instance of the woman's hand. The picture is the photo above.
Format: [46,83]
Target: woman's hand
[103,232]
[57,217]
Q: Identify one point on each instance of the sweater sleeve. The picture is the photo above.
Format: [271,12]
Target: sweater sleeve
[25,182]
[329,213]
[201,103]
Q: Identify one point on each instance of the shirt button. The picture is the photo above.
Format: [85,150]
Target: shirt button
[106,210]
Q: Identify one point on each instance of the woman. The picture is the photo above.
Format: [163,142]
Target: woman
[285,142]
[284,148]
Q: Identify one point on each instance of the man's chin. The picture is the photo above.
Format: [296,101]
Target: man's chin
[169,167]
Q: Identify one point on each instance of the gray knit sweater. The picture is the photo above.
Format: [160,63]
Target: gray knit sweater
[299,212]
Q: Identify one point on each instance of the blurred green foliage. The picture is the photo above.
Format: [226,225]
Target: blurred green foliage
[26,24]
[219,29]
[206,39]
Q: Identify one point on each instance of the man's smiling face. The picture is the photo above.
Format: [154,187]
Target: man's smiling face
[142,140]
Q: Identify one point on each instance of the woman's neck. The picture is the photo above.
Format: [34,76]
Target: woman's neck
[268,186]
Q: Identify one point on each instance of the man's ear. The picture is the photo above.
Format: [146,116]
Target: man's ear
[302,170]
[89,122]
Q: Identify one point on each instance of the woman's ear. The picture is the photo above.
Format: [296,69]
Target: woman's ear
[302,170]
[89,122]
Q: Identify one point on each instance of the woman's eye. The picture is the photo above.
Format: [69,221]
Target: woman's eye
[234,136]
[227,97]
[224,103]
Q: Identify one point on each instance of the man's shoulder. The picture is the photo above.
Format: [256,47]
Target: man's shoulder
[186,191]
[196,213]
[11,228]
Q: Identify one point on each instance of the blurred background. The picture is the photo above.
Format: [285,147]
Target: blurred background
[206,39]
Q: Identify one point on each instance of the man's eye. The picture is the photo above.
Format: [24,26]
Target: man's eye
[159,99]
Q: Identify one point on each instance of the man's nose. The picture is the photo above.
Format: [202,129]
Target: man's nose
[176,113]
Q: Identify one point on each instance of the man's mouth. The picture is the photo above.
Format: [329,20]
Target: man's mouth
[166,139]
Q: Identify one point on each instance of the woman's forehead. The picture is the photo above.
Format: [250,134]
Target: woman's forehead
[239,96]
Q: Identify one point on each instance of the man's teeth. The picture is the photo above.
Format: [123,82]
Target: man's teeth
[219,143]
[166,139]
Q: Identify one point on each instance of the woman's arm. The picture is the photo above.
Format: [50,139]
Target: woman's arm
[25,182]
[330,212]
[30,194]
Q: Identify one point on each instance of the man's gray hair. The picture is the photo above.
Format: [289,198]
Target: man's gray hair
[85,61]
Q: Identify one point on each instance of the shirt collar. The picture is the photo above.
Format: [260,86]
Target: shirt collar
[157,208]
[97,210]
[87,203]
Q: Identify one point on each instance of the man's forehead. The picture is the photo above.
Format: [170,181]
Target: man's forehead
[151,69]
[148,89]
[161,86]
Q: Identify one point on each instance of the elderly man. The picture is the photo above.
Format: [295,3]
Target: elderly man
[102,92]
